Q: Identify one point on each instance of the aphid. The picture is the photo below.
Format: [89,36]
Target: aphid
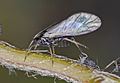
[116,64]
[88,62]
[64,32]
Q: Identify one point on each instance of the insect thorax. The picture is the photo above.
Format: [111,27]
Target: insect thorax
[58,41]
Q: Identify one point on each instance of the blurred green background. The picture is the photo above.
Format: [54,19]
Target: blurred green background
[22,19]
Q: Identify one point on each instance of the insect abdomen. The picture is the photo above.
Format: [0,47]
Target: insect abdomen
[64,43]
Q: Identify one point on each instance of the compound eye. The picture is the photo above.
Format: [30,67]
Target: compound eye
[36,39]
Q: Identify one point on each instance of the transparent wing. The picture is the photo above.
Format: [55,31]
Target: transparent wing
[77,24]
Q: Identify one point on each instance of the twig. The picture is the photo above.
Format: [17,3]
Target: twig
[64,68]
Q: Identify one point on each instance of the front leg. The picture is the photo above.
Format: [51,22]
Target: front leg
[52,52]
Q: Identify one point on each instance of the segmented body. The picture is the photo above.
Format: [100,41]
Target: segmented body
[58,41]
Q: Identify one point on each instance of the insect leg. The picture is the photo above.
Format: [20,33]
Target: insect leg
[113,62]
[77,44]
[51,53]
[28,51]
[116,64]
[53,50]
[36,46]
[109,65]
